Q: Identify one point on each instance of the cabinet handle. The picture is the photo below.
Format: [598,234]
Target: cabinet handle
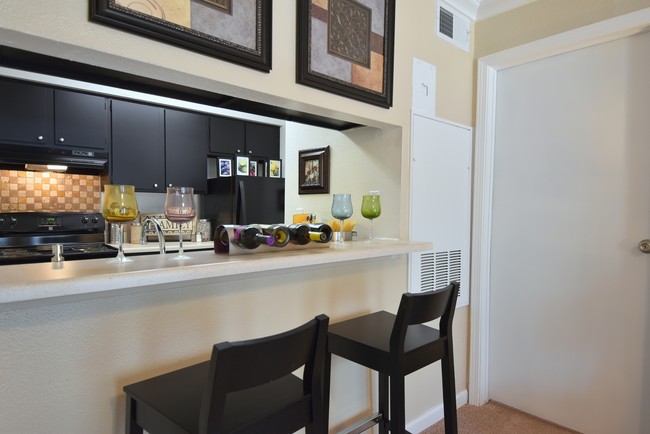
[61,139]
[155,186]
[250,152]
[40,137]
[169,185]
[239,151]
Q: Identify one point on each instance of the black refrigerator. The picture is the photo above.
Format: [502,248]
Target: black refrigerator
[244,200]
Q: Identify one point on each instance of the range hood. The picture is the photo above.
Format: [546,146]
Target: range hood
[77,161]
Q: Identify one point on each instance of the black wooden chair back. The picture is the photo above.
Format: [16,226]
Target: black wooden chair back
[422,307]
[246,364]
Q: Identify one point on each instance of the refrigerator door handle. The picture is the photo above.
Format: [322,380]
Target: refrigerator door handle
[241,197]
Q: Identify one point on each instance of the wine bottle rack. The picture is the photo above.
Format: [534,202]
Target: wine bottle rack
[225,243]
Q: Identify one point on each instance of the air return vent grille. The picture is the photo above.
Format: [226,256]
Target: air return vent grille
[439,269]
[453,26]
[446,23]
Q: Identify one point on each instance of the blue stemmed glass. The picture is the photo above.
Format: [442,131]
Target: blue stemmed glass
[341,210]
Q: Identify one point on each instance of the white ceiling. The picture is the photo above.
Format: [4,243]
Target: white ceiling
[481,9]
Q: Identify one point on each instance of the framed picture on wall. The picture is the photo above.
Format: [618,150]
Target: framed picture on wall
[235,31]
[275,168]
[346,47]
[314,171]
[225,167]
[242,166]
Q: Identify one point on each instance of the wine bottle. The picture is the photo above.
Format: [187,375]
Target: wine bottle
[324,229]
[279,233]
[250,237]
[302,234]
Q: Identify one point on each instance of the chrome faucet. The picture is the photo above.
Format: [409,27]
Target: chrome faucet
[159,232]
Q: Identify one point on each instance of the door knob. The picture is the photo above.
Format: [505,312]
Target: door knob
[644,246]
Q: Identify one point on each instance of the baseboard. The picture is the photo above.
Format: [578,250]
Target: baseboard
[434,415]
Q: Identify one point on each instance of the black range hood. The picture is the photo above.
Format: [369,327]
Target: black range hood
[77,161]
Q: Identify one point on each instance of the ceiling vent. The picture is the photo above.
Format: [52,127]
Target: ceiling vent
[453,26]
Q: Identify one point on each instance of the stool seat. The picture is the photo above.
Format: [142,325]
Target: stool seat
[397,345]
[183,394]
[366,340]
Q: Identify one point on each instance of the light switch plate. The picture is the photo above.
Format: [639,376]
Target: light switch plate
[424,88]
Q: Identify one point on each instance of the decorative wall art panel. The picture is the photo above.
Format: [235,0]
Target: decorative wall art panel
[346,47]
[238,31]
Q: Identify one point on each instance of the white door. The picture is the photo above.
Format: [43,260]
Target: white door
[570,289]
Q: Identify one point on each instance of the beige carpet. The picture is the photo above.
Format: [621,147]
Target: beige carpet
[496,418]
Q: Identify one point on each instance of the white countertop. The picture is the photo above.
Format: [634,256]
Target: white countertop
[37,284]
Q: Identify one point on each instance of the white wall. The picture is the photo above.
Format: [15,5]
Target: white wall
[362,159]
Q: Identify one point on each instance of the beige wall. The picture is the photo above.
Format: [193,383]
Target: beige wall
[544,18]
[63,366]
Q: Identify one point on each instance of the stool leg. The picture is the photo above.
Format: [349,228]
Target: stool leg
[131,426]
[321,427]
[397,404]
[383,404]
[449,393]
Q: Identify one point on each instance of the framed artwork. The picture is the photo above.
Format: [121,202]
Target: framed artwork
[252,170]
[225,167]
[346,47]
[314,171]
[275,168]
[235,31]
[242,166]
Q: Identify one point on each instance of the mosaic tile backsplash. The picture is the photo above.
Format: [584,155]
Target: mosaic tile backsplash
[22,191]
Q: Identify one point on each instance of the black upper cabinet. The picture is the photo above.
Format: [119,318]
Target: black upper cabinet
[227,136]
[36,115]
[138,146]
[155,147]
[234,136]
[80,120]
[263,140]
[26,114]
[186,139]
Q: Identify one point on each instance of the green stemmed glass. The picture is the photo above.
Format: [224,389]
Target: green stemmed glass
[371,209]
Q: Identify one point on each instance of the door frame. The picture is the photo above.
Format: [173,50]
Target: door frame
[485,142]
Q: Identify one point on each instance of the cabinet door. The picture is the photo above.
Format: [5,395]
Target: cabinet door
[25,113]
[227,136]
[186,149]
[262,140]
[80,120]
[138,146]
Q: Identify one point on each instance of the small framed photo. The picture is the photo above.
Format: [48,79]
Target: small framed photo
[275,168]
[225,167]
[242,166]
[314,171]
[252,170]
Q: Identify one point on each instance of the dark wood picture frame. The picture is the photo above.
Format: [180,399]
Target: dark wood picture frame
[314,171]
[322,54]
[110,12]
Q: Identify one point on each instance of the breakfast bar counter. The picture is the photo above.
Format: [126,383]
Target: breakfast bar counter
[46,283]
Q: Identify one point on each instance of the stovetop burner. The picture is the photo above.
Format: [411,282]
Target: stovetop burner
[43,253]
[28,237]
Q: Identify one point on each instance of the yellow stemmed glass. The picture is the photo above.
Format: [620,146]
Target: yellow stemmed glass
[119,206]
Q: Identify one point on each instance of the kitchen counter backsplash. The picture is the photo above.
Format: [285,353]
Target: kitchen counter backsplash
[24,191]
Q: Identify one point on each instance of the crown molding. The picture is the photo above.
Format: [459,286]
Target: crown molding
[490,8]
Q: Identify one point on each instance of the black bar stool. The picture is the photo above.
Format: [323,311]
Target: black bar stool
[246,387]
[395,346]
